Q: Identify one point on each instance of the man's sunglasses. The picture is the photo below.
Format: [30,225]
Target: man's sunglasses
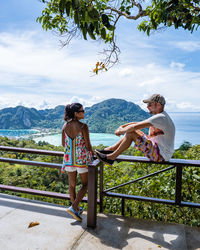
[149,104]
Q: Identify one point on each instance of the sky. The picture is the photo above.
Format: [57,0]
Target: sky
[36,72]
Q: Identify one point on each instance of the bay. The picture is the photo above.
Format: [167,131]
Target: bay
[187,129]
[96,139]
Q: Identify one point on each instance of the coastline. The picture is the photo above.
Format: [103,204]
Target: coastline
[45,132]
[186,123]
[53,136]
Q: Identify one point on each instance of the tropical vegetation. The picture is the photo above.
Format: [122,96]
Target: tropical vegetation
[162,186]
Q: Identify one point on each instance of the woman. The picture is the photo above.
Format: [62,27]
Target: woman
[77,155]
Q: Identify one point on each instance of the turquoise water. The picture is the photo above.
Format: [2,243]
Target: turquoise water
[15,133]
[187,129]
[96,139]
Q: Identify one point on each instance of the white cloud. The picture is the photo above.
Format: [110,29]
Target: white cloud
[39,103]
[177,65]
[152,82]
[85,102]
[187,106]
[189,46]
[23,55]
[34,72]
[12,100]
[126,72]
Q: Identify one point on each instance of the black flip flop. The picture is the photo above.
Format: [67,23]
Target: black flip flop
[103,157]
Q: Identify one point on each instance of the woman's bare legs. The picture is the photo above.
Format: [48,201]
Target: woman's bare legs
[72,185]
[82,191]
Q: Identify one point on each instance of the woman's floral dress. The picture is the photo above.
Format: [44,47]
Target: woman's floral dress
[76,153]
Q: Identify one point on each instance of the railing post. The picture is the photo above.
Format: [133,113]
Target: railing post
[92,196]
[178,185]
[123,206]
[101,188]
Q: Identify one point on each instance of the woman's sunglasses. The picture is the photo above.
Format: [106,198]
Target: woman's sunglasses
[81,111]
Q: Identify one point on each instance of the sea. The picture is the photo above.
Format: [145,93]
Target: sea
[187,129]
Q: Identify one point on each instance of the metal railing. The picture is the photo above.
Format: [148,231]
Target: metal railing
[91,199]
[93,177]
[178,164]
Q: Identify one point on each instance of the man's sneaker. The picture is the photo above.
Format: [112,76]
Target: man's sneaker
[103,151]
[75,214]
[103,157]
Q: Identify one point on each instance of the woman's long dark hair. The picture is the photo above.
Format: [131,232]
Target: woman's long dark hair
[70,109]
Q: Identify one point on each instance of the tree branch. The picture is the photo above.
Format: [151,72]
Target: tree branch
[68,36]
[141,12]
[137,5]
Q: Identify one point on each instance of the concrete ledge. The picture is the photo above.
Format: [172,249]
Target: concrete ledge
[58,231]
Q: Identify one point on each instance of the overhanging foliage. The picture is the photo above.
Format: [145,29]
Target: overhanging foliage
[98,19]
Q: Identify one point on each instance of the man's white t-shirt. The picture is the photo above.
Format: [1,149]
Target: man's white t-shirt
[164,141]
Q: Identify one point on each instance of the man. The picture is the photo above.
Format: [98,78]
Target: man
[157,146]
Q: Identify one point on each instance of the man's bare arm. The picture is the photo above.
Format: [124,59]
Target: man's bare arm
[127,124]
[132,127]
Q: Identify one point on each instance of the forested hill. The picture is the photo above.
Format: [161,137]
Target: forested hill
[25,118]
[102,117]
[106,116]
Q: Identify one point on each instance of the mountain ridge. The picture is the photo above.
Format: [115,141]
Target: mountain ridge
[103,117]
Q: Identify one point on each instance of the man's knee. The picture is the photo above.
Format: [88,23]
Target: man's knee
[131,135]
